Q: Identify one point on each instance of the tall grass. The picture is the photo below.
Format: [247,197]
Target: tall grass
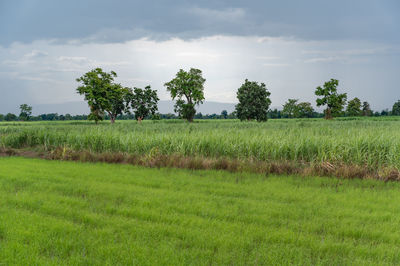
[371,142]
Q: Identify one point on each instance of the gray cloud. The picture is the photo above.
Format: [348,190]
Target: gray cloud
[291,68]
[119,21]
[292,46]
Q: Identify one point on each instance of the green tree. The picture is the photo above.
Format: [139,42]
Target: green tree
[254,101]
[102,94]
[329,96]
[187,86]
[156,116]
[10,117]
[366,109]
[117,103]
[26,112]
[95,114]
[354,107]
[385,112]
[305,110]
[290,108]
[224,114]
[143,102]
[396,108]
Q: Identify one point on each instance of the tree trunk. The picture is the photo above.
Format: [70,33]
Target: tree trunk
[112,117]
[328,113]
[140,120]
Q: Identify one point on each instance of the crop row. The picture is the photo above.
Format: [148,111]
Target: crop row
[373,143]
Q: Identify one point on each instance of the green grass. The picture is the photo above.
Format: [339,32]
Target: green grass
[363,141]
[54,212]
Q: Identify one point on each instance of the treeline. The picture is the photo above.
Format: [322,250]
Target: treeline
[109,100]
[272,114]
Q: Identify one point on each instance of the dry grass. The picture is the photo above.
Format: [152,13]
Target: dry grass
[157,160]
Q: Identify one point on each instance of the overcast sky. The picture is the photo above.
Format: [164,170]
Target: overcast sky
[292,46]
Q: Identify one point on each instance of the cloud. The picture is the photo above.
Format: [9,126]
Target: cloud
[121,21]
[291,68]
[324,59]
[74,59]
[36,54]
[275,64]
[234,15]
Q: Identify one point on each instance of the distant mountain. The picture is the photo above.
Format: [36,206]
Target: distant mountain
[73,108]
[164,107]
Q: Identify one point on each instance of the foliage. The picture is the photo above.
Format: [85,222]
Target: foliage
[290,108]
[354,141]
[26,112]
[275,114]
[366,109]
[224,114]
[95,114]
[10,117]
[354,107]
[117,101]
[293,109]
[304,110]
[329,96]
[102,94]
[156,116]
[254,101]
[396,108]
[187,86]
[143,102]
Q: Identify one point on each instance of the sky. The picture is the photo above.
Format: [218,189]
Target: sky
[291,46]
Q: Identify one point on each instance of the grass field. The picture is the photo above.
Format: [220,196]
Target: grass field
[370,142]
[54,212]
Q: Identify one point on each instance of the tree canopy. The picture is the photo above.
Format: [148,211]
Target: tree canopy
[366,109]
[331,98]
[354,107]
[188,88]
[143,102]
[26,112]
[290,108]
[396,108]
[304,110]
[254,101]
[102,94]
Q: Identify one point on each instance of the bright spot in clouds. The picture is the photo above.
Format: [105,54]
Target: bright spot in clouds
[45,71]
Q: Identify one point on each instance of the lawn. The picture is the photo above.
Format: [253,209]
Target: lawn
[56,212]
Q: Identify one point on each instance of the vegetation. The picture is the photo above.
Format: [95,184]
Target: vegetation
[26,112]
[290,108]
[305,110]
[354,107]
[366,109]
[105,96]
[143,102]
[396,108]
[254,101]
[64,213]
[10,117]
[330,98]
[293,109]
[369,142]
[107,99]
[190,86]
[102,94]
